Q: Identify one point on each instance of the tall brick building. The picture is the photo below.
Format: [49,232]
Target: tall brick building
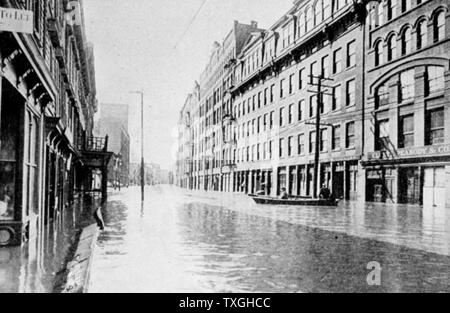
[384,107]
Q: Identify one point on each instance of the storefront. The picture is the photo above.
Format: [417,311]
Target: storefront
[418,176]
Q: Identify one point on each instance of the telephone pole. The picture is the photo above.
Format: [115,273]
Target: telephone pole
[142,145]
[318,126]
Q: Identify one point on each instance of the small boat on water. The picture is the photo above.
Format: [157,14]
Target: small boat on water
[294,201]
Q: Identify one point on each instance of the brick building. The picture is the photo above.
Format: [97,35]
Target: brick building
[383,111]
[47,104]
[407,114]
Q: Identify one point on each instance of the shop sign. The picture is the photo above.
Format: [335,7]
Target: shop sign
[413,152]
[18,21]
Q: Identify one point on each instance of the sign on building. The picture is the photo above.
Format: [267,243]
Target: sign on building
[13,20]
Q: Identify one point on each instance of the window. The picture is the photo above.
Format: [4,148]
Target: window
[382,96]
[291,114]
[392,48]
[301,79]
[301,26]
[435,79]
[308,20]
[266,91]
[406,131]
[272,91]
[337,61]
[281,147]
[392,9]
[325,67]
[312,105]
[406,5]
[301,109]
[350,135]
[312,142]
[323,140]
[336,143]
[301,144]
[435,127]
[290,145]
[379,53]
[282,88]
[336,98]
[272,114]
[351,54]
[318,13]
[382,134]
[314,72]
[351,91]
[291,84]
[406,41]
[422,35]
[439,27]
[282,117]
[407,87]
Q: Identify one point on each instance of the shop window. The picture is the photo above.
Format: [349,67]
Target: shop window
[8,158]
[406,131]
[435,127]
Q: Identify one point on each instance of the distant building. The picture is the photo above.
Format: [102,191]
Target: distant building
[114,124]
[154,174]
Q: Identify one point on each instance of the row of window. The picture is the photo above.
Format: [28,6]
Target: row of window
[434,130]
[286,85]
[295,145]
[386,51]
[386,10]
[406,86]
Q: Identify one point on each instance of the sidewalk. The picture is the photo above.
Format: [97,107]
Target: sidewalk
[40,265]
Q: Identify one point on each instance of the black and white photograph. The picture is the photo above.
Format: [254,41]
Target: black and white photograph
[224,147]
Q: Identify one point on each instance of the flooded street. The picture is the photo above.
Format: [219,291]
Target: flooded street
[184,241]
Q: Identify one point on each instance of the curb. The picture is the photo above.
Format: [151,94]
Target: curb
[79,268]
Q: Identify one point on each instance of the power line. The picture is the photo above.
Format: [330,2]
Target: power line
[190,23]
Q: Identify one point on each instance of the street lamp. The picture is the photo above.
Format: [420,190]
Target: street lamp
[142,143]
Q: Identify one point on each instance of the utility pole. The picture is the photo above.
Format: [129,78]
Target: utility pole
[318,126]
[142,145]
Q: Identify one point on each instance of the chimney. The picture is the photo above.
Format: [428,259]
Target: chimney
[254,24]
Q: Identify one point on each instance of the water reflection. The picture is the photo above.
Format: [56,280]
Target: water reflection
[192,242]
[36,265]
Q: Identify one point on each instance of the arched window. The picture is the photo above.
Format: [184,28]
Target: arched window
[392,48]
[326,9]
[406,41]
[308,20]
[439,26]
[318,13]
[391,9]
[301,26]
[380,13]
[379,53]
[422,34]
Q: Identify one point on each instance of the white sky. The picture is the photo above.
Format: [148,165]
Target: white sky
[134,44]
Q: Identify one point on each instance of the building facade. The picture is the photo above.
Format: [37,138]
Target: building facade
[383,67]
[407,116]
[114,124]
[47,104]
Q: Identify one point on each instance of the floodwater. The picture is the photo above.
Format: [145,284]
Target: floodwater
[39,264]
[185,241]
